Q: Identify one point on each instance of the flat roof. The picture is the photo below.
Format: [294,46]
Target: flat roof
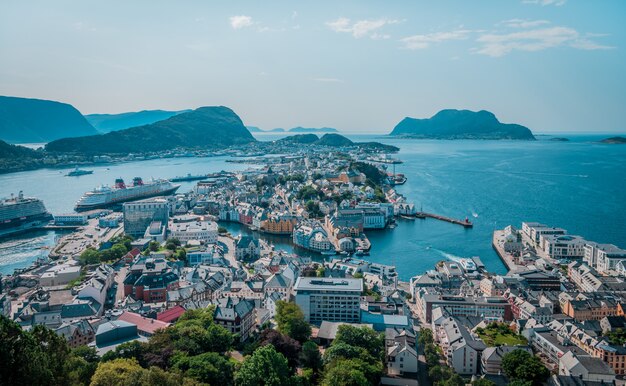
[328,284]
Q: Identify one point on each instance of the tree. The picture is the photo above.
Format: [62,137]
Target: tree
[81,365]
[344,373]
[210,368]
[310,356]
[521,365]
[483,382]
[154,246]
[347,351]
[425,337]
[265,367]
[290,320]
[89,256]
[364,337]
[285,345]
[116,372]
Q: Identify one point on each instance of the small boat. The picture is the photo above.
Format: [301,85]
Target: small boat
[78,172]
[407,217]
[329,253]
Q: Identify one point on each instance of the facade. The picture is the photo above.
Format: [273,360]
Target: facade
[312,236]
[203,231]
[149,279]
[70,219]
[489,308]
[139,215]
[329,299]
[247,248]
[562,246]
[603,257]
[236,315]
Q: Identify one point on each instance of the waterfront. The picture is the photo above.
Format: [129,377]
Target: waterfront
[577,185]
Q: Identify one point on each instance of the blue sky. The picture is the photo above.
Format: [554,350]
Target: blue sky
[552,65]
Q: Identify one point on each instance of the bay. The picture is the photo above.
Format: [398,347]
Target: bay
[579,185]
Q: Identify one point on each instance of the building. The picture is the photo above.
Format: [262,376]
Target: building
[562,247]
[79,333]
[145,326]
[586,367]
[603,257]
[139,215]
[534,230]
[491,358]
[461,349]
[247,248]
[59,275]
[236,315]
[202,231]
[312,236]
[71,219]
[329,299]
[489,308]
[115,332]
[149,279]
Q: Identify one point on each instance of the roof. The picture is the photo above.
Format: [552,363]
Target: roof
[329,284]
[143,324]
[171,314]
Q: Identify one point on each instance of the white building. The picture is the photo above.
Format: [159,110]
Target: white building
[562,246]
[59,275]
[603,257]
[203,231]
[587,368]
[329,299]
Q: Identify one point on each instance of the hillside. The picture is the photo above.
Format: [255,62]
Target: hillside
[334,140]
[307,139]
[461,124]
[254,129]
[312,130]
[203,128]
[25,120]
[106,123]
[16,158]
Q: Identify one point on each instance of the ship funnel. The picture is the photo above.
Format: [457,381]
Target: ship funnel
[119,183]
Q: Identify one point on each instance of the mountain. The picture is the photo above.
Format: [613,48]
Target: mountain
[254,129]
[106,123]
[307,139]
[203,128]
[614,140]
[15,158]
[37,120]
[334,140]
[313,130]
[277,130]
[461,124]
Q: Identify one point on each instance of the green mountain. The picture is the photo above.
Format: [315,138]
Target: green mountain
[461,124]
[15,158]
[307,139]
[25,120]
[203,128]
[105,123]
[312,130]
[334,140]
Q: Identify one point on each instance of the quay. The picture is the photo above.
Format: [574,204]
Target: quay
[497,242]
[464,223]
[53,227]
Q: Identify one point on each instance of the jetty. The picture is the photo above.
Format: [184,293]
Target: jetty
[464,223]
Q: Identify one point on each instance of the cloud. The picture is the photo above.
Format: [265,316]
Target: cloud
[521,23]
[558,3]
[328,80]
[241,21]
[420,42]
[361,28]
[497,45]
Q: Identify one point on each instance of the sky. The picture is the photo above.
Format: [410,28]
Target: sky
[358,66]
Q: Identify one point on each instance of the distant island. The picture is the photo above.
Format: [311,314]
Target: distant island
[336,140]
[313,130]
[559,139]
[254,129]
[277,130]
[614,140]
[105,123]
[24,120]
[461,124]
[203,128]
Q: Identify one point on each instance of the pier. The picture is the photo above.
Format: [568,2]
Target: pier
[464,223]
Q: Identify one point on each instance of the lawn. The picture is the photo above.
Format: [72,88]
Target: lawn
[496,334]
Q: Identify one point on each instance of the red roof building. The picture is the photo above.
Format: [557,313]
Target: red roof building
[171,315]
[145,326]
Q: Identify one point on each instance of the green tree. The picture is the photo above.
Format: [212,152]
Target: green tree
[154,246]
[291,322]
[285,345]
[89,256]
[344,372]
[342,350]
[210,368]
[310,356]
[425,337]
[483,382]
[81,365]
[521,365]
[265,367]
[117,372]
[364,337]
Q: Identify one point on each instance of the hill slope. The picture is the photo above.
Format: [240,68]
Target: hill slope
[36,120]
[461,124]
[106,123]
[203,128]
[15,158]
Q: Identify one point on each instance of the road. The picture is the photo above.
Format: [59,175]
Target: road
[119,279]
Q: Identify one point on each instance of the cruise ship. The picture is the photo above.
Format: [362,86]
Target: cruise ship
[21,213]
[106,196]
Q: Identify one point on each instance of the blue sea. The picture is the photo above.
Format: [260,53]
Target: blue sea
[579,185]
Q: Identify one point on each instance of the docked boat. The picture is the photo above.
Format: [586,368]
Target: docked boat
[329,253]
[18,214]
[78,172]
[106,196]
[189,177]
[399,179]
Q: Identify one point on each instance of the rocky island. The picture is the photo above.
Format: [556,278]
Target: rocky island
[461,124]
[614,141]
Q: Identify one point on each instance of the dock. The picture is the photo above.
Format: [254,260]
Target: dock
[464,223]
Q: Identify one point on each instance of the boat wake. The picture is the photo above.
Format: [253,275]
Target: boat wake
[449,256]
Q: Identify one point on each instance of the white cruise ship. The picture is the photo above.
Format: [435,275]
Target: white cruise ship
[22,213]
[106,196]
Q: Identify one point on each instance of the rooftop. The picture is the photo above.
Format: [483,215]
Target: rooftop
[328,284]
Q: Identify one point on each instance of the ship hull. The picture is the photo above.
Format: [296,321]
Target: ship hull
[24,225]
[112,203]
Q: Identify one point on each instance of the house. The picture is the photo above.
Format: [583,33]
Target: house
[586,367]
[171,314]
[145,326]
[236,315]
[149,279]
[491,358]
[247,248]
[77,334]
[401,359]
